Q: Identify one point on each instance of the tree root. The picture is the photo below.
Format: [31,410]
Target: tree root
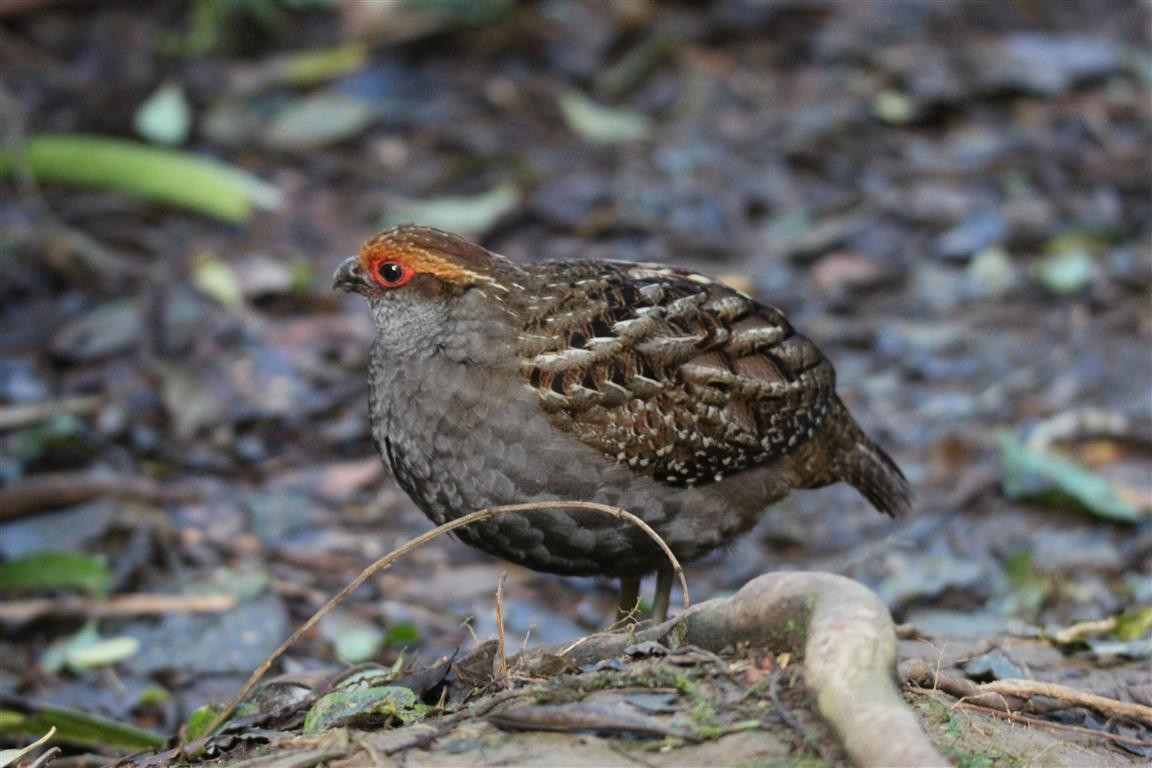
[846,637]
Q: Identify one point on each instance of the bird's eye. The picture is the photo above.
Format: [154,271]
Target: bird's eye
[392,274]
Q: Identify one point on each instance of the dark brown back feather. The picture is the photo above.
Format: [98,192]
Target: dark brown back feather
[669,372]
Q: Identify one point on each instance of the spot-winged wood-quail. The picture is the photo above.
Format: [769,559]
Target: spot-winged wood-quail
[641,386]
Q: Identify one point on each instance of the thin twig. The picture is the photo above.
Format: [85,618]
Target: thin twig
[1026,689]
[52,490]
[929,677]
[40,742]
[486,705]
[419,541]
[467,624]
[1089,423]
[783,711]
[18,416]
[992,695]
[1018,718]
[49,755]
[616,629]
[501,656]
[118,606]
[1076,631]
[789,719]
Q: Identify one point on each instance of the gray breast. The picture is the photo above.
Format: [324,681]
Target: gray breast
[460,438]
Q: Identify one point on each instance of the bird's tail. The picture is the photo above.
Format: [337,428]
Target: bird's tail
[871,471]
[865,466]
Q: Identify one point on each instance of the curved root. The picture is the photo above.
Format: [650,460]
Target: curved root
[846,636]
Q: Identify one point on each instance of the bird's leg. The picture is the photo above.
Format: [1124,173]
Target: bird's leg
[629,598]
[663,594]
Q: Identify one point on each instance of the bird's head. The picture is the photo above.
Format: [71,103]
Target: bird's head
[429,290]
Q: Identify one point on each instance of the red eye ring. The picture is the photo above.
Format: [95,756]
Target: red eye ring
[392,274]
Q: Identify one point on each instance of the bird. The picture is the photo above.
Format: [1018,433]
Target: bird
[642,386]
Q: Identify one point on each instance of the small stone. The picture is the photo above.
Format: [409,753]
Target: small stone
[991,273]
[108,330]
[1048,64]
[845,271]
[21,381]
[261,275]
[979,231]
[993,665]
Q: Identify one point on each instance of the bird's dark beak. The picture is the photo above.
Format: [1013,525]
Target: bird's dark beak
[348,276]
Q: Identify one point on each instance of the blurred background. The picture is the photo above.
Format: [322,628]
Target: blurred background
[952,198]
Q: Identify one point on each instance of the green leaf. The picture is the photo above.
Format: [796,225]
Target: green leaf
[1066,271]
[368,677]
[319,120]
[1031,587]
[402,633]
[364,706]
[321,65]
[79,729]
[63,434]
[103,653]
[465,215]
[302,277]
[1133,624]
[1036,475]
[177,178]
[354,638]
[10,721]
[165,118]
[599,124]
[88,649]
[216,279]
[198,723]
[894,107]
[991,271]
[57,570]
[153,696]
[55,657]
[358,645]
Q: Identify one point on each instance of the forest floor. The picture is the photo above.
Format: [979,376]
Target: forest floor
[953,199]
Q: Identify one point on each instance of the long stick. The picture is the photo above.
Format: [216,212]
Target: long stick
[419,541]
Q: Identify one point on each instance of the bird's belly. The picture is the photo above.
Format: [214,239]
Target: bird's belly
[476,449]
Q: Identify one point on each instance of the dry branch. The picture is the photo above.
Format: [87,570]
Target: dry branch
[1016,695]
[119,606]
[1026,689]
[1038,723]
[53,490]
[20,416]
